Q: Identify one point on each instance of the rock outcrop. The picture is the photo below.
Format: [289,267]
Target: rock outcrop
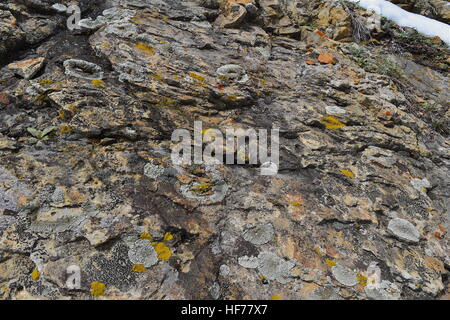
[359,208]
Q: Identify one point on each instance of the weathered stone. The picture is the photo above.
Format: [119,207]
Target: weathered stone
[363,143]
[27,69]
[403,230]
[344,275]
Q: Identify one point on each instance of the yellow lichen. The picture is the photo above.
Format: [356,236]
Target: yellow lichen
[145,236]
[138,268]
[157,76]
[35,275]
[65,129]
[168,236]
[277,298]
[296,204]
[97,289]
[331,123]
[146,48]
[98,83]
[162,250]
[197,77]
[347,173]
[45,82]
[330,263]
[202,187]
[361,279]
[319,252]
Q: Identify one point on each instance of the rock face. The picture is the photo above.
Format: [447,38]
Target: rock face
[89,192]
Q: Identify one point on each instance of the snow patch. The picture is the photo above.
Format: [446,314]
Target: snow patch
[403,18]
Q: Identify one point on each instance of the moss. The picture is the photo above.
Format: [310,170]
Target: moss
[97,289]
[347,173]
[138,268]
[163,251]
[35,275]
[331,123]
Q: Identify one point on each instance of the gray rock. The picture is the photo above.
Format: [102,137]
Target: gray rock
[403,230]
[260,235]
[344,275]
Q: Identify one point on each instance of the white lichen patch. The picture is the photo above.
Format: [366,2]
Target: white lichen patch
[142,252]
[260,235]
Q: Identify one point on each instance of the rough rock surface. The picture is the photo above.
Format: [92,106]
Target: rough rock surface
[86,177]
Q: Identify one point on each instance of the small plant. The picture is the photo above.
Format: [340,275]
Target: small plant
[39,135]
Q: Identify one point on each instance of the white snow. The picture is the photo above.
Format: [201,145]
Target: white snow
[403,18]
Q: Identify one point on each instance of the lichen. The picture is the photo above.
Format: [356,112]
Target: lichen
[201,188]
[45,82]
[98,83]
[168,236]
[163,251]
[145,236]
[347,173]
[35,275]
[330,263]
[361,279]
[65,129]
[146,48]
[97,289]
[197,77]
[331,123]
[138,268]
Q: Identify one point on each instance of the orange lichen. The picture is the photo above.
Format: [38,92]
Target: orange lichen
[327,58]
[35,275]
[138,268]
[331,123]
[162,250]
[347,173]
[97,289]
